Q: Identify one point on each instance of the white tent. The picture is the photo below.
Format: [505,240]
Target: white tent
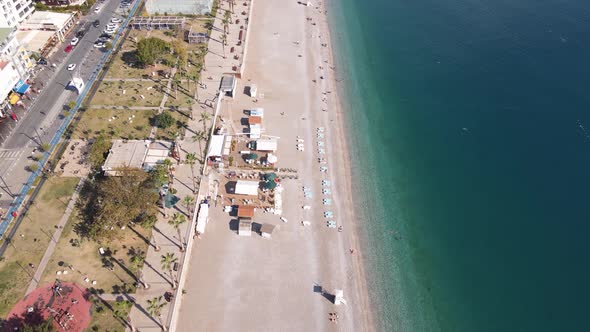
[216,146]
[266,145]
[246,188]
[203,218]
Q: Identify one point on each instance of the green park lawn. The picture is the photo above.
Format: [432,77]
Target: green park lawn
[117,93]
[86,262]
[96,121]
[32,238]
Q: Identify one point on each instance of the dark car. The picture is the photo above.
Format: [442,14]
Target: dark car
[105,35]
[80,33]
[42,62]
[96,23]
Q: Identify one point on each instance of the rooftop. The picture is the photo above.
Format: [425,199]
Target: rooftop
[46,18]
[125,154]
[245,211]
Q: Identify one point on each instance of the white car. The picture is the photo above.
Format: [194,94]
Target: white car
[99,45]
[116,20]
[75,41]
[112,26]
[71,66]
[109,31]
[97,9]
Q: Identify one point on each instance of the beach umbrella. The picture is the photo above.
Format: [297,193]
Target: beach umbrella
[271,158]
[270,185]
[270,176]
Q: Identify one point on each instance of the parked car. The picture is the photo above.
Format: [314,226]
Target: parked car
[105,35]
[68,48]
[96,23]
[71,66]
[97,9]
[99,44]
[116,20]
[42,62]
[75,41]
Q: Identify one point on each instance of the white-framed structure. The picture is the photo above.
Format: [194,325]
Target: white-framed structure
[202,218]
[191,7]
[244,187]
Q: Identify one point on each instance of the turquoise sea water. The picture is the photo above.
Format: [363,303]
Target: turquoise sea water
[470,130]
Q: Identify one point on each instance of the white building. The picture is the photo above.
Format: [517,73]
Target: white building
[61,23]
[13,12]
[11,50]
[8,78]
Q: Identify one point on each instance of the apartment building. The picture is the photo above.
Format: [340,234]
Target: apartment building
[12,12]
[11,50]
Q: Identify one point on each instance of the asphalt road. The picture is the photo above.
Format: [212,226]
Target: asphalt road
[43,115]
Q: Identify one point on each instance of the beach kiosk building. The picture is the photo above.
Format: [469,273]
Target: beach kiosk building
[266,230]
[246,188]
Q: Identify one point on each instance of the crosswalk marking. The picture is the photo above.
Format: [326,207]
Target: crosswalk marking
[10,154]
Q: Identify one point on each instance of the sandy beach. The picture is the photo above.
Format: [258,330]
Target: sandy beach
[255,284]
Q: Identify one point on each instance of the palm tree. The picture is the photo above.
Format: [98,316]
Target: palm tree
[122,312]
[223,42]
[167,262]
[177,220]
[188,202]
[225,21]
[199,137]
[148,223]
[204,118]
[168,163]
[154,308]
[191,159]
[137,259]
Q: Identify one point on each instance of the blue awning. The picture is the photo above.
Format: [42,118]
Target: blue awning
[21,87]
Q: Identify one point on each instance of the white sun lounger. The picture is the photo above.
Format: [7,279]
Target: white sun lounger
[305,223]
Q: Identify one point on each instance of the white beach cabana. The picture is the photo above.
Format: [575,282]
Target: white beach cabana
[247,188]
[244,227]
[266,145]
[258,111]
[255,131]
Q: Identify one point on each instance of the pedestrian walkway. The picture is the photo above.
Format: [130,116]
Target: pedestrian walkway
[55,239]
[165,235]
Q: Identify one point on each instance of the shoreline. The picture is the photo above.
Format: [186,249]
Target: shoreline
[231,280]
[358,263]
